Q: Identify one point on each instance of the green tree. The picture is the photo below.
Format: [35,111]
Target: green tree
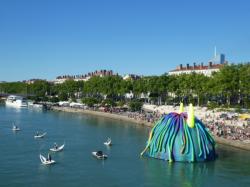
[244,84]
[14,88]
[227,82]
[39,88]
[90,101]
[135,106]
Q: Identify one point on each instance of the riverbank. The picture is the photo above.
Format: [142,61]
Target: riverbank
[102,114]
[120,117]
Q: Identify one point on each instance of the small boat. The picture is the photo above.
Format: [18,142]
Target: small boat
[54,149]
[99,155]
[15,128]
[108,142]
[46,161]
[40,135]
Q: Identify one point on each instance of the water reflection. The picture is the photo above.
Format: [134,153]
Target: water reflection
[179,174]
[15,109]
[77,167]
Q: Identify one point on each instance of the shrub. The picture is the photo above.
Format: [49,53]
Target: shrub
[54,99]
[109,102]
[135,106]
[212,105]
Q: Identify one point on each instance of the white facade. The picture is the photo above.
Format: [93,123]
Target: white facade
[206,72]
[129,95]
[60,81]
[126,77]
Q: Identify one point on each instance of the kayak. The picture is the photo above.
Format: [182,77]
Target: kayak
[108,142]
[40,135]
[57,149]
[99,155]
[45,161]
[16,129]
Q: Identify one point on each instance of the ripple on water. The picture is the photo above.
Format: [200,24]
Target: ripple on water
[20,164]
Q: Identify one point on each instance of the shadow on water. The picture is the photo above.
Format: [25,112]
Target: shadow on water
[233,160]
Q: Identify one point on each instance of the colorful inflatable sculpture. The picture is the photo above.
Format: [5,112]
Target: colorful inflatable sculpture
[180,137]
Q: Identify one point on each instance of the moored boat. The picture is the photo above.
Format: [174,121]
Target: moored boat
[33,105]
[16,101]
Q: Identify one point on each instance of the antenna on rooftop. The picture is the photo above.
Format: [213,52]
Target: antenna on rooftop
[215,53]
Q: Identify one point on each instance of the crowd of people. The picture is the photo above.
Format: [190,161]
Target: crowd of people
[150,117]
[223,126]
[220,124]
[229,128]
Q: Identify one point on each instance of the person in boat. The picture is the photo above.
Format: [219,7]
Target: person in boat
[99,153]
[49,157]
[108,142]
[55,145]
[37,133]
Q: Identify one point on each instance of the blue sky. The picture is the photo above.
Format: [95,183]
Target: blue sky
[46,38]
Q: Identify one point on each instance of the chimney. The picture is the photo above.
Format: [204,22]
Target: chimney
[201,66]
[187,66]
[210,64]
[194,65]
[181,67]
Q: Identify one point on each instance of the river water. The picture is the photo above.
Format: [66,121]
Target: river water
[20,164]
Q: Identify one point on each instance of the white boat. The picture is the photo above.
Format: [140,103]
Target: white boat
[15,128]
[16,101]
[99,155]
[34,105]
[38,106]
[108,142]
[40,135]
[46,161]
[57,149]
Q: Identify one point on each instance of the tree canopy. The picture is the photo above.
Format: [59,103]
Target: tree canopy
[230,86]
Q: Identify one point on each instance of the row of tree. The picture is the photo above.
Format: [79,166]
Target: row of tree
[230,86]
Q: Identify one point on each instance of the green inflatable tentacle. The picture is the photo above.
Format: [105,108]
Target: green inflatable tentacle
[199,140]
[191,144]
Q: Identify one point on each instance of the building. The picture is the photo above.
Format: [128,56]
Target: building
[218,58]
[214,65]
[32,81]
[84,77]
[131,77]
[206,70]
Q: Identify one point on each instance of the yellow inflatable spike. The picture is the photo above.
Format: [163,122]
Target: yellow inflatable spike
[190,120]
[181,108]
